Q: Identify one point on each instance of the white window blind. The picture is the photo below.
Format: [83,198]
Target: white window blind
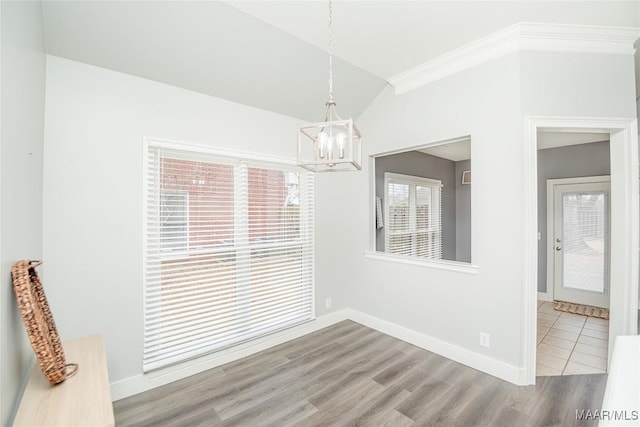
[228,252]
[413,212]
[585,238]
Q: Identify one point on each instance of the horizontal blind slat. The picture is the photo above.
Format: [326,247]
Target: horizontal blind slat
[413,212]
[228,252]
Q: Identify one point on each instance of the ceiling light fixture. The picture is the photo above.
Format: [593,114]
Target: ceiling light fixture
[333,145]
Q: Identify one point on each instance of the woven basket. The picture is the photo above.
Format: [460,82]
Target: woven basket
[38,320]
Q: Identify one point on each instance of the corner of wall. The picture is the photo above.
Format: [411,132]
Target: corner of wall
[22,82]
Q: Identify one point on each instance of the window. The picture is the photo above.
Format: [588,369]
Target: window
[228,252]
[429,195]
[413,216]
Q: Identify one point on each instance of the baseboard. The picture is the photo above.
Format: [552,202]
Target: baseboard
[504,371]
[143,382]
[544,296]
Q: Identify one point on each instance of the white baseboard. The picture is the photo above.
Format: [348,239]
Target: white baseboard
[544,296]
[143,382]
[504,371]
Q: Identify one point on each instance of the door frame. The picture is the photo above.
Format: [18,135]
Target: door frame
[551,217]
[624,227]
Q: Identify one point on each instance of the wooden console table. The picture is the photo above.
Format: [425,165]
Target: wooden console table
[82,400]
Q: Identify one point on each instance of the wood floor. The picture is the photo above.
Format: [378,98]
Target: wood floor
[347,375]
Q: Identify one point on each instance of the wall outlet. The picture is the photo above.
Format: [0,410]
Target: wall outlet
[485,339]
[327,303]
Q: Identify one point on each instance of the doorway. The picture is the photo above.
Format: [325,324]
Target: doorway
[574,212]
[624,236]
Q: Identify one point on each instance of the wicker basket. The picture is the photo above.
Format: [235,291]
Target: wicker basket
[39,323]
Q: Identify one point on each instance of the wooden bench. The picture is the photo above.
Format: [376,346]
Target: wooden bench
[82,400]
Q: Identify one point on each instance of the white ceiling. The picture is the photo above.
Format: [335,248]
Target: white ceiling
[208,47]
[389,37]
[454,151]
[554,139]
[272,54]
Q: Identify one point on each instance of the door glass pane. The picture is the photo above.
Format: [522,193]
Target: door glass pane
[584,240]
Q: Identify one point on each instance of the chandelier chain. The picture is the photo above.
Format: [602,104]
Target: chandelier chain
[332,144]
[330,52]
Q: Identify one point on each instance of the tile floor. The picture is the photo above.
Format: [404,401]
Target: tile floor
[570,344]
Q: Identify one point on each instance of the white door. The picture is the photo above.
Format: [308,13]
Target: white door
[580,243]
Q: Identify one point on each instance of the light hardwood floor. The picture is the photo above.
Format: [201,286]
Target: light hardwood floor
[347,375]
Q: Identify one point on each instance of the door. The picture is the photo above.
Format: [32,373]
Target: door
[580,243]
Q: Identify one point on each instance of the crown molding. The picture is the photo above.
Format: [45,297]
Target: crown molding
[519,37]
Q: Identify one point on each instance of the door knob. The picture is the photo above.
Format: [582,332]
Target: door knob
[558,248]
[558,240]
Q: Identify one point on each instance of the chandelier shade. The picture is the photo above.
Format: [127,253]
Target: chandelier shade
[330,146]
[333,145]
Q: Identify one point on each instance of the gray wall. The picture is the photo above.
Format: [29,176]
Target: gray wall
[564,162]
[423,165]
[463,214]
[22,83]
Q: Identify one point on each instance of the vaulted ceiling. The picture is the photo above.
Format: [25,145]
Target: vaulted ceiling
[273,54]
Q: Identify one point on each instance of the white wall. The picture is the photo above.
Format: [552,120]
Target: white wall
[21,137]
[453,307]
[578,84]
[95,123]
[488,102]
[598,86]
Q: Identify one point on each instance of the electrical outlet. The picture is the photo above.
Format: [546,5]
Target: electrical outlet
[327,303]
[485,339]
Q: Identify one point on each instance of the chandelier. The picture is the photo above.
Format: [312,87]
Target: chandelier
[334,144]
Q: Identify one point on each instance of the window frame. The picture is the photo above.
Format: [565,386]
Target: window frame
[244,161]
[413,182]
